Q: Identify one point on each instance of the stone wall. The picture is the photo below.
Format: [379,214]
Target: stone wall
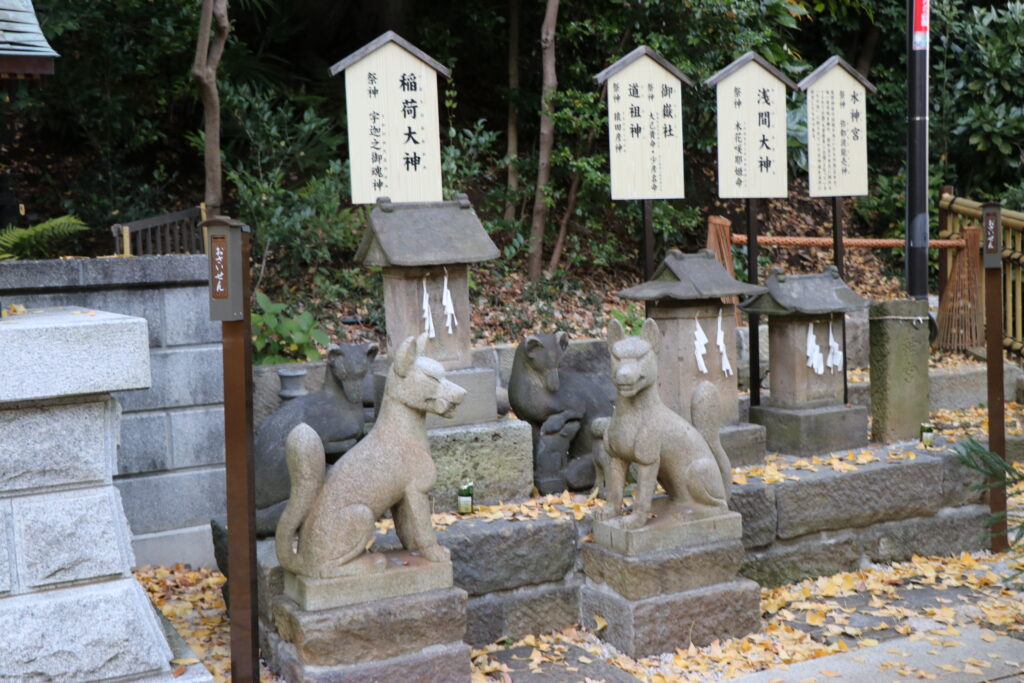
[170,467]
[524,576]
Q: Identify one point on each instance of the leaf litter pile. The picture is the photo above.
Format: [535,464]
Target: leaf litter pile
[802,621]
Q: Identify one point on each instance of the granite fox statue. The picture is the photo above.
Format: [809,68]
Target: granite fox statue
[688,460]
[329,520]
[335,413]
[550,397]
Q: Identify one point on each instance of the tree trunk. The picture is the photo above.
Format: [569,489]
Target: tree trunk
[213,15]
[867,51]
[512,135]
[547,140]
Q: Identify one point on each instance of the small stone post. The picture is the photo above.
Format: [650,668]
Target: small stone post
[899,369]
[69,606]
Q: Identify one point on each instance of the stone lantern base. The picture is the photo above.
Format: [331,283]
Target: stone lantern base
[810,431]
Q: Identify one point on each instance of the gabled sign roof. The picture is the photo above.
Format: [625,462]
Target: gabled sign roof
[380,41]
[743,61]
[24,49]
[835,60]
[642,51]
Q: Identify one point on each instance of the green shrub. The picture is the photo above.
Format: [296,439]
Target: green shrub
[280,338]
[41,241]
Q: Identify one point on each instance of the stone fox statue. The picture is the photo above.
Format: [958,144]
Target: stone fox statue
[335,413]
[550,398]
[688,460]
[329,520]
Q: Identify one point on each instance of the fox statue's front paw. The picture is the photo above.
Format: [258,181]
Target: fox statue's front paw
[632,521]
[436,553]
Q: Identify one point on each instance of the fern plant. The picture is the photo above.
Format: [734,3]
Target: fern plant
[38,241]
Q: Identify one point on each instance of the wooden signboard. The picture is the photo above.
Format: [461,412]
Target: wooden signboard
[645,126]
[393,132]
[837,140]
[751,97]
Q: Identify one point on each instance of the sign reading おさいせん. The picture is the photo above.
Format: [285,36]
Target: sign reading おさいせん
[393,133]
[645,126]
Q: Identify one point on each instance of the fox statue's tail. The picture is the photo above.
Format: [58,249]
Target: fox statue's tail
[705,415]
[304,453]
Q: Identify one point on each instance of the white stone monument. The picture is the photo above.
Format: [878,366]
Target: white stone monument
[70,609]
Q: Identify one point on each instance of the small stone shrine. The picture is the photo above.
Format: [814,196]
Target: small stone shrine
[70,609]
[805,413]
[688,297]
[425,249]
[664,575]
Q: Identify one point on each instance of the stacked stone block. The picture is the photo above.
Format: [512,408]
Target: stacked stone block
[170,467]
[668,584]
[899,369]
[69,606]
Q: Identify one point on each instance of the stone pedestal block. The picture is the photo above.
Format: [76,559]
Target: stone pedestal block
[744,443]
[411,637]
[636,577]
[665,622]
[899,369]
[497,456]
[69,606]
[668,531]
[807,431]
[403,572]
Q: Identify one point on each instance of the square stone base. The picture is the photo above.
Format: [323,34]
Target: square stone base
[744,443]
[479,405]
[665,622]
[636,577]
[668,530]
[371,631]
[404,573]
[435,664]
[809,431]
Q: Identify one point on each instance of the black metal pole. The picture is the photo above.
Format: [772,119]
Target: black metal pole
[754,320]
[917,149]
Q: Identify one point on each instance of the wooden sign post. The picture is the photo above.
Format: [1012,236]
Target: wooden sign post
[394,138]
[228,250]
[992,259]
[837,146]
[645,134]
[751,96]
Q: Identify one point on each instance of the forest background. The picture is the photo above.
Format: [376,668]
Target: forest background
[115,135]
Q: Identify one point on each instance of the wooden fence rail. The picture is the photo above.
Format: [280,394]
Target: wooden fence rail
[955,214]
[169,233]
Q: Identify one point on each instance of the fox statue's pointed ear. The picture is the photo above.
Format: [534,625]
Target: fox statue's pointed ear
[651,334]
[615,332]
[563,339]
[421,344]
[405,356]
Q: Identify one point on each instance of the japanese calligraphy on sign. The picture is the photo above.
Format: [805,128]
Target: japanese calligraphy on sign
[645,126]
[751,96]
[394,143]
[219,266]
[837,145]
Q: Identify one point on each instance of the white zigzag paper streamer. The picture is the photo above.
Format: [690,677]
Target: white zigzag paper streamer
[700,344]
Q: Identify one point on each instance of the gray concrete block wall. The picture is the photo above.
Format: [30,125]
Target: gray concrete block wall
[170,464]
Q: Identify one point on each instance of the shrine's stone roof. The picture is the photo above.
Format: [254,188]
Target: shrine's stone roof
[24,49]
[807,294]
[689,277]
[415,234]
